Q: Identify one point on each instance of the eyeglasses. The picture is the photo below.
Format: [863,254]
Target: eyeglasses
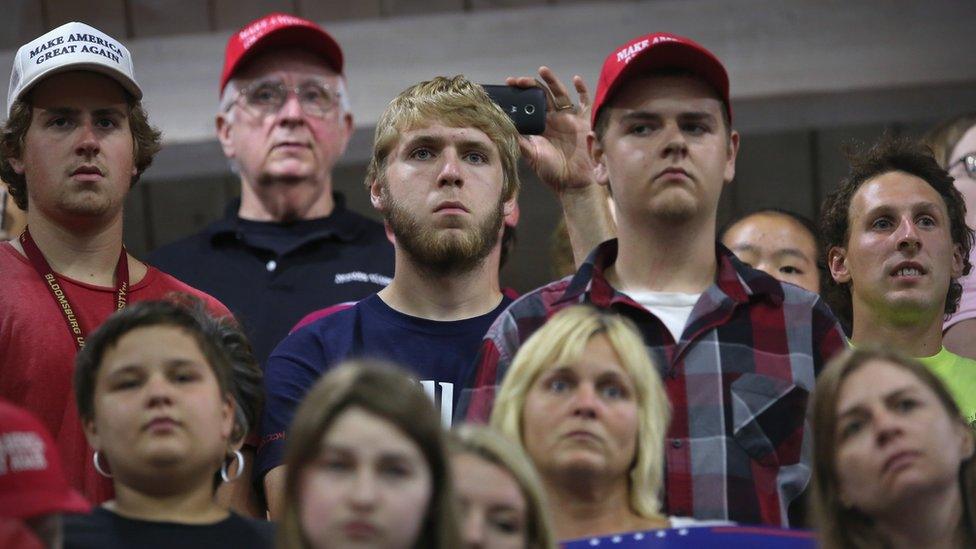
[968,162]
[266,98]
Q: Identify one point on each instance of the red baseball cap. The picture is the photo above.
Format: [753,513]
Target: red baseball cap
[32,482]
[278,30]
[660,50]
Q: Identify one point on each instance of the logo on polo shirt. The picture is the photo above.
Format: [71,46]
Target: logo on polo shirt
[359,276]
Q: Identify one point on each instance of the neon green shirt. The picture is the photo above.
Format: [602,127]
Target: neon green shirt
[959,375]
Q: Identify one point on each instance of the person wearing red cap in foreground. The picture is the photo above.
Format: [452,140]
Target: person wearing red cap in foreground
[32,484]
[288,246]
[738,350]
[75,141]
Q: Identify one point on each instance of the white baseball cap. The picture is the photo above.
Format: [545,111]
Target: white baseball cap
[70,47]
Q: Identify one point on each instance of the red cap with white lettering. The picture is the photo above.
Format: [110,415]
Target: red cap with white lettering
[274,31]
[655,51]
[32,482]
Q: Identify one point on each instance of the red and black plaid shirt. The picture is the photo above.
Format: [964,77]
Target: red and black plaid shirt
[738,447]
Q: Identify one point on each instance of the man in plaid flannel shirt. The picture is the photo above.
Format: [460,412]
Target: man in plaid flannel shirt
[738,350]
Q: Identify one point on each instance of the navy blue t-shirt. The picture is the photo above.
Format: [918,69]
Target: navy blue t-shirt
[440,354]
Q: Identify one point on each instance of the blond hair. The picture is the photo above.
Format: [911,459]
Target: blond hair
[454,102]
[492,447]
[562,340]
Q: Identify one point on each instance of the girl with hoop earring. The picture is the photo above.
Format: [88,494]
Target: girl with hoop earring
[165,400]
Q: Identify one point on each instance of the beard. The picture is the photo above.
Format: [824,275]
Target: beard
[442,252]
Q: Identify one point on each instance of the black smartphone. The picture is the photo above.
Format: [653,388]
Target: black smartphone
[525,106]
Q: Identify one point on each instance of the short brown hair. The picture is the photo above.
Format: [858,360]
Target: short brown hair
[220,340]
[146,142]
[382,389]
[839,526]
[890,154]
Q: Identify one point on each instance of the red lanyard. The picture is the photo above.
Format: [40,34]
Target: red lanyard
[44,269]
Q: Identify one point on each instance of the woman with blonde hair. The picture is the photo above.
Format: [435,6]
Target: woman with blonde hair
[501,497]
[584,399]
[366,465]
[893,456]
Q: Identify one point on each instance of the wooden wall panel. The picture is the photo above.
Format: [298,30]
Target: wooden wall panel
[234,14]
[108,16]
[326,11]
[168,17]
[775,170]
[180,208]
[496,4]
[21,22]
[394,8]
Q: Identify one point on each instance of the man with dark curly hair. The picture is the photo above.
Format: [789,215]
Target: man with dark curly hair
[896,242]
[75,141]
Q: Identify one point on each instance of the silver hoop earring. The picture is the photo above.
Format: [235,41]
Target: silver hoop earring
[98,466]
[239,459]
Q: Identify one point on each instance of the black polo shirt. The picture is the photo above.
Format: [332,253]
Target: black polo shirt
[272,274]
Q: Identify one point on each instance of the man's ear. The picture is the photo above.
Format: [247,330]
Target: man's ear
[376,197]
[595,149]
[733,152]
[224,128]
[91,433]
[228,414]
[347,127]
[957,261]
[837,264]
[510,209]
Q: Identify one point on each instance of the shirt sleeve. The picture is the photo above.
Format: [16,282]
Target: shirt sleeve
[294,366]
[496,355]
[829,340]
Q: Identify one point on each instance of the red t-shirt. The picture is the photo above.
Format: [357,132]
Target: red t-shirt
[37,353]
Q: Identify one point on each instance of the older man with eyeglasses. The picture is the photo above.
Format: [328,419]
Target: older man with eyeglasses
[288,246]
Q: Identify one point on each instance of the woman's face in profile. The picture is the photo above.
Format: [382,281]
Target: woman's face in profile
[493,509]
[369,486]
[894,439]
[583,416]
[158,406]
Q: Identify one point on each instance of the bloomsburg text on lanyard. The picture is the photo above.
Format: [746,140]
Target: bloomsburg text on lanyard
[44,269]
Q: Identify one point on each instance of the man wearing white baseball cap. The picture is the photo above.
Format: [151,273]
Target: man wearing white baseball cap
[75,141]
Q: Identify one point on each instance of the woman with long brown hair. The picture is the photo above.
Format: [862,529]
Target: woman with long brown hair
[366,465]
[893,456]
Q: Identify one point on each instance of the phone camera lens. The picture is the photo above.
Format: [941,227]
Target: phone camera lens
[530,109]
